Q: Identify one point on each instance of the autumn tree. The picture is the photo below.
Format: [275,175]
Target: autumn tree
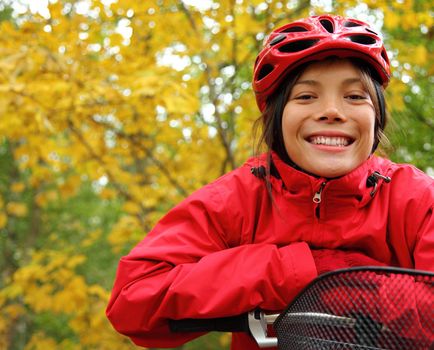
[113,111]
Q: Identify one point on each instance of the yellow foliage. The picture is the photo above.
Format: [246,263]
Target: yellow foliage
[420,55]
[131,208]
[70,186]
[116,39]
[91,238]
[392,20]
[13,311]
[41,341]
[146,85]
[99,292]
[39,174]
[395,95]
[179,100]
[127,229]
[3,329]
[43,198]
[72,297]
[39,297]
[3,220]
[108,193]
[75,260]
[49,284]
[11,291]
[18,187]
[16,209]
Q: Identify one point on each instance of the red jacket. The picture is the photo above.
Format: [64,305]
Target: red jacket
[228,249]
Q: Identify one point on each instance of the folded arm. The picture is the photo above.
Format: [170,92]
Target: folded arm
[187,268]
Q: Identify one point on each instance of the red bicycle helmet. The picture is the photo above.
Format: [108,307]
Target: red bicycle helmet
[315,38]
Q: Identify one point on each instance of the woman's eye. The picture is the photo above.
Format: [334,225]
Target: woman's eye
[304,97]
[356,97]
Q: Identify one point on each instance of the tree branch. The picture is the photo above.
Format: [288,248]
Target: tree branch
[110,176]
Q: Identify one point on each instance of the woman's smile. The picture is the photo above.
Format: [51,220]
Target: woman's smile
[332,139]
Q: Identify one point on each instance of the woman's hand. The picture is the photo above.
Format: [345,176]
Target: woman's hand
[333,259]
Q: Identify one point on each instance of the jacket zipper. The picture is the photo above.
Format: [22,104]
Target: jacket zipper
[317,198]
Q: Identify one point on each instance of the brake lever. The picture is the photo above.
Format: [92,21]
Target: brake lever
[258,326]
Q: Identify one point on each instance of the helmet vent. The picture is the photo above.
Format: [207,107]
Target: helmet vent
[384,55]
[297,46]
[327,25]
[265,70]
[362,39]
[349,24]
[294,29]
[277,39]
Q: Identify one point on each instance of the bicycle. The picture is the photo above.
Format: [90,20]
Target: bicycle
[368,308]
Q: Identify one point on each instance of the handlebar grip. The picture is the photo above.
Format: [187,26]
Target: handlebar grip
[238,323]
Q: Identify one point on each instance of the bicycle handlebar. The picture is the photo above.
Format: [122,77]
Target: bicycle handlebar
[254,322]
[223,324]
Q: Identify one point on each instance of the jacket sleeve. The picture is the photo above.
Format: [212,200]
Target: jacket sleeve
[411,220]
[413,202]
[189,266]
[424,247]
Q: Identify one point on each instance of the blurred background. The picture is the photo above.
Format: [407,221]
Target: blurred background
[113,111]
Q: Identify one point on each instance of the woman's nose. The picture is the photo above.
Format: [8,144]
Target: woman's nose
[331,114]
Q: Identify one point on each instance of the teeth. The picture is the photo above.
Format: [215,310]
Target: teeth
[330,141]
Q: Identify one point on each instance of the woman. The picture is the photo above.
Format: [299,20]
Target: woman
[318,200]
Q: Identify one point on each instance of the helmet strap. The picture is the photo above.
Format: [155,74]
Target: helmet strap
[382,120]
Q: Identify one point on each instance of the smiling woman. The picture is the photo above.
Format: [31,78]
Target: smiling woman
[316,200]
[328,122]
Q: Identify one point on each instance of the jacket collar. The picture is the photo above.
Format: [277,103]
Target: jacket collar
[352,186]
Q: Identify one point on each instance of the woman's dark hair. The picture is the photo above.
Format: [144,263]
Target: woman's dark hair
[271,137]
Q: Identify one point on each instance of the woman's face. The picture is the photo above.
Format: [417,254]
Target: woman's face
[328,121]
